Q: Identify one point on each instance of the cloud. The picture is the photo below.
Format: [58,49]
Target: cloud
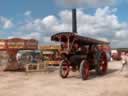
[27,13]
[5,23]
[102,25]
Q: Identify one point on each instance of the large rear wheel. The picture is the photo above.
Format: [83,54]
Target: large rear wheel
[64,69]
[84,70]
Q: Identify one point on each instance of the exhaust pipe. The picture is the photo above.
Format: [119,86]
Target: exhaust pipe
[74,21]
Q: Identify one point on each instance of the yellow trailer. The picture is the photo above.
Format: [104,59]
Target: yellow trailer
[50,54]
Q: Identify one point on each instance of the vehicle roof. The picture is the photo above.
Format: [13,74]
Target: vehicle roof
[62,37]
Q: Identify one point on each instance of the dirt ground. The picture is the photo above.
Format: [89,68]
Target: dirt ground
[114,83]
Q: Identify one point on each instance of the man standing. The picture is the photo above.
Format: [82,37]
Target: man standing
[124,60]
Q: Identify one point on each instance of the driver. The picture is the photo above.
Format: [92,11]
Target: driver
[76,49]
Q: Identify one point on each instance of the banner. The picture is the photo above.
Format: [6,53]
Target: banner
[18,45]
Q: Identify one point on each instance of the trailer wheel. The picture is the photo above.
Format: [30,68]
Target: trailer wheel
[84,70]
[64,69]
[102,66]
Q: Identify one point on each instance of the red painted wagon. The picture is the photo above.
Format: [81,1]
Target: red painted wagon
[81,53]
[12,46]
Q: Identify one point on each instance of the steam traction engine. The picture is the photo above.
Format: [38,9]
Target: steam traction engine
[81,53]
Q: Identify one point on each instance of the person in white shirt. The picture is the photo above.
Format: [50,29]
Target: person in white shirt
[124,60]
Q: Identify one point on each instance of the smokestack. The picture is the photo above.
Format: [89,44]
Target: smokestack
[74,21]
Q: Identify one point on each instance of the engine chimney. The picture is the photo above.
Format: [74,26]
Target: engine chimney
[74,21]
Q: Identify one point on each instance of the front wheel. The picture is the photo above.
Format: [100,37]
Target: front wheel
[64,69]
[84,70]
[102,66]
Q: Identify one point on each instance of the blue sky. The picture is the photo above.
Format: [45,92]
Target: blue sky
[41,8]
[15,14]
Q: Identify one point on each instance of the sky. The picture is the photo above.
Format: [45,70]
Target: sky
[39,19]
